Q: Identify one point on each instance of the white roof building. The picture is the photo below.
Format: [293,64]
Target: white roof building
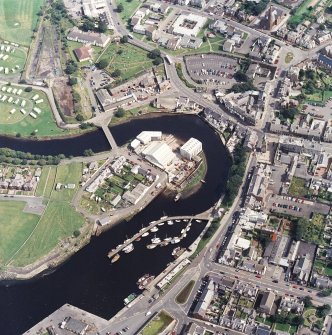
[188,24]
[191,148]
[159,153]
[147,136]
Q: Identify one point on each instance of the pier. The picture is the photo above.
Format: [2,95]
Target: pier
[203,216]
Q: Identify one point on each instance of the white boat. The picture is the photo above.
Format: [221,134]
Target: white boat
[155,240]
[183,230]
[119,246]
[177,197]
[184,235]
[154,229]
[198,221]
[175,240]
[175,251]
[177,220]
[161,223]
[168,239]
[164,217]
[188,228]
[151,246]
[170,222]
[185,220]
[152,222]
[141,229]
[145,234]
[129,248]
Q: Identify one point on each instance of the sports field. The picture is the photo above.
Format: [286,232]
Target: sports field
[13,121]
[58,222]
[15,227]
[18,18]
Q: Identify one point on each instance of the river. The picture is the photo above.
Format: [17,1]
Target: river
[88,280]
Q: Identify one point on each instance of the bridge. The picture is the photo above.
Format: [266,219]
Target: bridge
[204,216]
[109,137]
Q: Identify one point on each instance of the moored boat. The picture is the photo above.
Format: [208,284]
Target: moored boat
[154,229]
[151,246]
[177,197]
[177,220]
[155,240]
[140,280]
[175,251]
[145,234]
[115,258]
[129,299]
[170,222]
[175,240]
[161,223]
[146,282]
[129,248]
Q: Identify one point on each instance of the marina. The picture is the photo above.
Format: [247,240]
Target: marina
[128,246]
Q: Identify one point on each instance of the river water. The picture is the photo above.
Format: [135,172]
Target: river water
[88,280]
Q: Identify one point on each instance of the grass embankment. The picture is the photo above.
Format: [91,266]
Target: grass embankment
[179,72]
[183,296]
[130,113]
[158,324]
[197,176]
[58,222]
[18,18]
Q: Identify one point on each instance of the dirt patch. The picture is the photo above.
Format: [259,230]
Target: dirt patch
[63,95]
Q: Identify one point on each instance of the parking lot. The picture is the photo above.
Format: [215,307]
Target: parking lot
[100,79]
[295,206]
[212,69]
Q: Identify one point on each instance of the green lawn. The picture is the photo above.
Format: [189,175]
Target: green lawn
[127,58]
[15,61]
[67,174]
[46,182]
[17,19]
[158,324]
[281,326]
[58,222]
[24,124]
[323,268]
[15,227]
[297,187]
[301,13]
[132,113]
[183,295]
[129,8]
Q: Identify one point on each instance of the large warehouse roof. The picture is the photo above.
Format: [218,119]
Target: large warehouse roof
[159,153]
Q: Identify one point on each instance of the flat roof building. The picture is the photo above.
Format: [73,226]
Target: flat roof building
[188,24]
[147,136]
[191,148]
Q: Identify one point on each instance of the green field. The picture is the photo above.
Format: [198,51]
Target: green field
[129,8]
[297,187]
[18,18]
[15,227]
[24,124]
[58,222]
[130,60]
[46,182]
[302,12]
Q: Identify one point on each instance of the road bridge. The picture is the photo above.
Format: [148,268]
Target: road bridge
[110,137]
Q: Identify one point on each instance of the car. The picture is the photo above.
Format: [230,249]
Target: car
[236,277]
[294,286]
[258,276]
[301,288]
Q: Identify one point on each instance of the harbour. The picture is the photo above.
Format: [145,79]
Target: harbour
[88,280]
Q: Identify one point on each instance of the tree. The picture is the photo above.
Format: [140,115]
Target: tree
[241,76]
[325,293]
[307,301]
[157,61]
[297,320]
[18,135]
[120,112]
[300,228]
[71,67]
[102,64]
[76,233]
[116,73]
[88,152]
[102,26]
[124,39]
[323,311]
[79,117]
[155,53]
[88,24]
[288,113]
[28,89]
[72,81]
[204,39]
[120,8]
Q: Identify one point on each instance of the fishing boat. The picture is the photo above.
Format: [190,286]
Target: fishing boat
[129,248]
[145,234]
[175,251]
[170,222]
[161,223]
[151,246]
[140,280]
[115,258]
[175,240]
[129,299]
[154,229]
[177,197]
[146,282]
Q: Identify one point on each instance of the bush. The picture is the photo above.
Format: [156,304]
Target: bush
[77,233]
[72,81]
[88,152]
[79,117]
[28,89]
[157,61]
[116,73]
[120,8]
[155,53]
[124,39]
[120,112]
[102,64]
